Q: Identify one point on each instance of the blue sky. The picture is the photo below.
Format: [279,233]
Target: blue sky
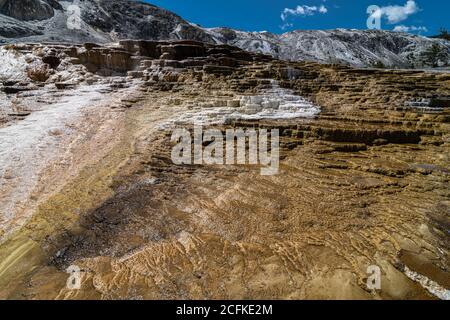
[416,16]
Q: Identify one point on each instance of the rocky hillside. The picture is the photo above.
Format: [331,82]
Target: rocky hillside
[101,21]
[110,20]
[353,47]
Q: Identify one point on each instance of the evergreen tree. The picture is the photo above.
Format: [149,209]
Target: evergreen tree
[443,34]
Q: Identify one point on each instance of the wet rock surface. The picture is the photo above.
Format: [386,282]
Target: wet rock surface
[363,182]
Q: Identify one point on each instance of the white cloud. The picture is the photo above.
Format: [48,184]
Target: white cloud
[323,9]
[303,10]
[396,14]
[403,28]
[286,25]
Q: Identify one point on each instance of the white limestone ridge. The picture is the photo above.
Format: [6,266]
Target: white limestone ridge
[274,103]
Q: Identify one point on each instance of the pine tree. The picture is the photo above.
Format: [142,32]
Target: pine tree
[443,34]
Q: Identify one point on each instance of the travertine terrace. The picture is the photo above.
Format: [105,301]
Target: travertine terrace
[364,179]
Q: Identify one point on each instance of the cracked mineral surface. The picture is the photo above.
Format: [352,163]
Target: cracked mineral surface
[87,180]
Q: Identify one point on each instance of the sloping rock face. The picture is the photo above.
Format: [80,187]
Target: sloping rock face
[101,21]
[362,48]
[137,20]
[26,10]
[364,182]
[13,28]
[106,21]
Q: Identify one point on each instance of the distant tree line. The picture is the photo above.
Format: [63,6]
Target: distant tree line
[443,34]
[436,55]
